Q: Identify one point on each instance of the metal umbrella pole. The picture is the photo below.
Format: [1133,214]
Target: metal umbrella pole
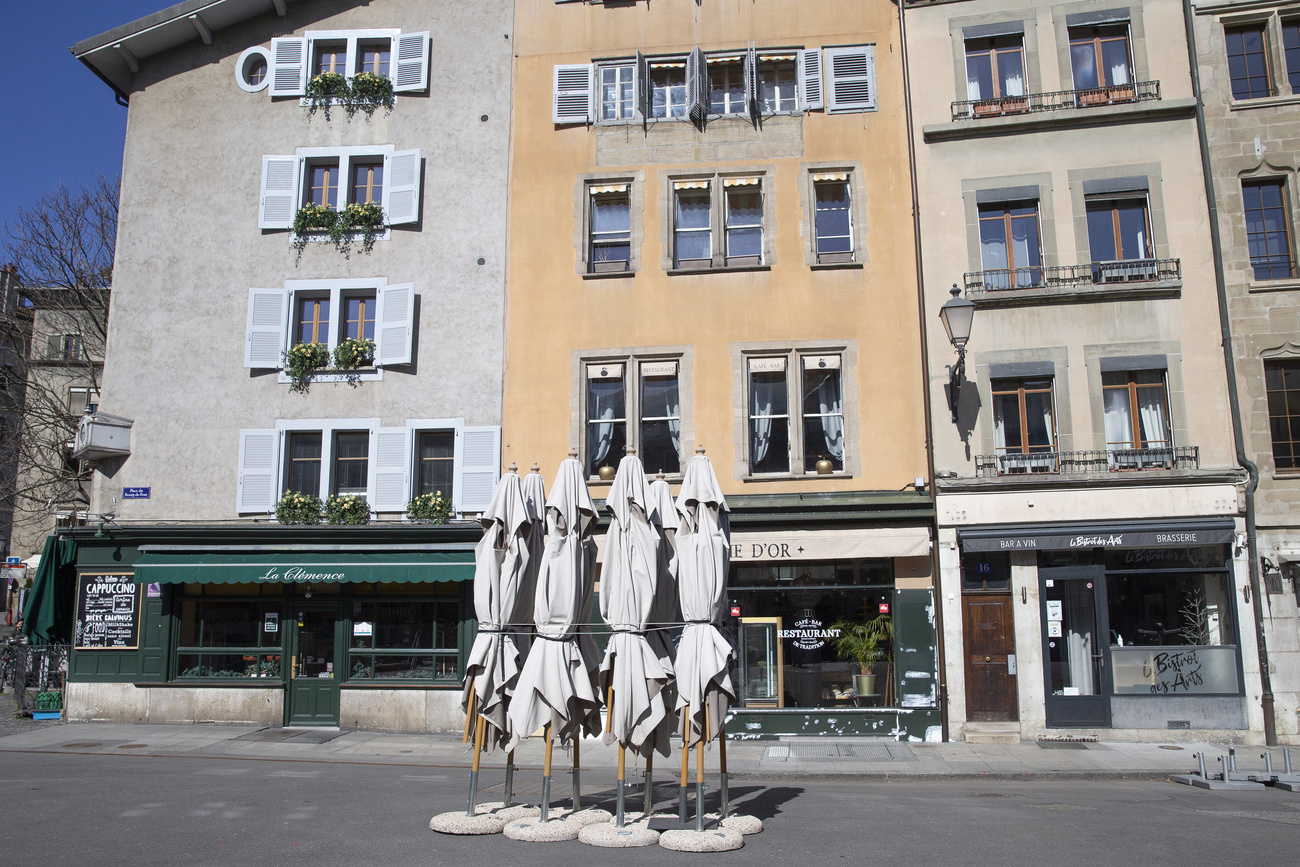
[722,775]
[510,778]
[577,773]
[473,774]
[647,809]
[686,760]
[699,775]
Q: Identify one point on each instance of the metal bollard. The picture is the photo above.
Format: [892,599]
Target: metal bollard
[1232,759]
[1268,763]
[1286,757]
[1204,774]
[1223,760]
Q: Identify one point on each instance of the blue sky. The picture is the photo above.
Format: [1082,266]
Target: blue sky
[61,122]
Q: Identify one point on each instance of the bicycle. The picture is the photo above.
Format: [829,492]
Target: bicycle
[6,664]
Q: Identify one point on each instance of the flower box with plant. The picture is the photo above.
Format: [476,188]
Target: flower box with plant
[301,361]
[295,508]
[353,353]
[367,92]
[339,227]
[323,90]
[429,508]
[347,509]
[866,644]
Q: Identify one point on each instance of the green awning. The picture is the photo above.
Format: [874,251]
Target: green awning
[290,567]
[47,616]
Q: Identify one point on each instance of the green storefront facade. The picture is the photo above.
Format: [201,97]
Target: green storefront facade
[369,627]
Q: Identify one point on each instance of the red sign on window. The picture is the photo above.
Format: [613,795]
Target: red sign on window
[884,607]
[735,611]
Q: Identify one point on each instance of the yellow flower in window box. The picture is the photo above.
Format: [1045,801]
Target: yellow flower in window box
[353,353]
[347,509]
[431,508]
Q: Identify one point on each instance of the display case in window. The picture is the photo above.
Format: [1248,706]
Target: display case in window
[761,664]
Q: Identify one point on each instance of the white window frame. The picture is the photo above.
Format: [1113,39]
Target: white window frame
[86,390]
[717,186]
[286,178]
[476,461]
[632,375]
[327,428]
[408,58]
[272,327]
[794,360]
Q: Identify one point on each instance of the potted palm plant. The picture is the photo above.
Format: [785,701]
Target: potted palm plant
[866,644]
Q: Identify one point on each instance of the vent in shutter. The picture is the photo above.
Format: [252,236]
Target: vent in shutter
[852,78]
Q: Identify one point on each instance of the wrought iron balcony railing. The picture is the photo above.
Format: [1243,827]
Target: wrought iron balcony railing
[1087,463]
[1009,106]
[1064,276]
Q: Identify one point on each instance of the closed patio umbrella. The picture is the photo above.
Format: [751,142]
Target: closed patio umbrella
[663,515]
[704,655]
[501,578]
[555,687]
[631,672]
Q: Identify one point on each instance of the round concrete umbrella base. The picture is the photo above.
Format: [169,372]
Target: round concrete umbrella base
[745,825]
[701,841]
[534,830]
[607,836]
[457,822]
[589,816]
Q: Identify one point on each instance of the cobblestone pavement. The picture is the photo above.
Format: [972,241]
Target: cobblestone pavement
[11,722]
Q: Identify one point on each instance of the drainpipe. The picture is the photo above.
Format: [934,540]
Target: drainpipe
[1234,401]
[942,659]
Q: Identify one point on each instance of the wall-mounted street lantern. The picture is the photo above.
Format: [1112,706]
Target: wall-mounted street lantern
[957,314]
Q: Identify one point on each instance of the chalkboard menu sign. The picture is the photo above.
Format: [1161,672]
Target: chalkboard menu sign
[108,612]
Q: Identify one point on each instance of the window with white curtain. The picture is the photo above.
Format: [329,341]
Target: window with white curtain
[633,402]
[1100,58]
[817,433]
[1136,408]
[995,68]
[1024,425]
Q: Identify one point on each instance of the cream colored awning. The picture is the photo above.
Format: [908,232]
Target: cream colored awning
[803,545]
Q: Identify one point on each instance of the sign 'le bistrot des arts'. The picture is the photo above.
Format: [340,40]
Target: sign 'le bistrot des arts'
[108,612]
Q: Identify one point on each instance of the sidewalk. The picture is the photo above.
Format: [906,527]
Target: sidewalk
[842,758]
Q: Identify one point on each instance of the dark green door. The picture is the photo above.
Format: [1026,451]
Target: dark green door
[314,675]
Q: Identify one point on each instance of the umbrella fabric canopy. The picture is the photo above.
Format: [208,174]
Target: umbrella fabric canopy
[555,686]
[704,655]
[535,497]
[501,567]
[47,615]
[634,559]
[663,515]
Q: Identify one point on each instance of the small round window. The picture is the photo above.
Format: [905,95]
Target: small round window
[253,70]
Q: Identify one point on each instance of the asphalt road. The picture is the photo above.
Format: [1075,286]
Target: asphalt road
[58,809]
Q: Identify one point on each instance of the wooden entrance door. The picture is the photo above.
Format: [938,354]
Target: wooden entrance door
[990,643]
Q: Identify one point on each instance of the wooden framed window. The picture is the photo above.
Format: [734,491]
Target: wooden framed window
[1248,68]
[1282,389]
[633,402]
[1024,425]
[323,184]
[1268,229]
[303,473]
[823,413]
[313,320]
[351,462]
[368,182]
[1119,229]
[769,416]
[659,409]
[668,88]
[437,463]
[330,57]
[1011,252]
[1136,415]
[833,222]
[359,317]
[1100,58]
[374,57]
[995,68]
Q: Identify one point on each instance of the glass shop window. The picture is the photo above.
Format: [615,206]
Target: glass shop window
[228,638]
[985,570]
[405,639]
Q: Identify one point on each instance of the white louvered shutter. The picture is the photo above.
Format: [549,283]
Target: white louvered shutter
[574,93]
[259,452]
[289,66]
[851,78]
[410,62]
[279,194]
[391,472]
[810,79]
[751,82]
[395,324]
[697,86]
[267,317]
[401,198]
[478,461]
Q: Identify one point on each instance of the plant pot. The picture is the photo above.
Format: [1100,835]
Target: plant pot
[864,684]
[612,266]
